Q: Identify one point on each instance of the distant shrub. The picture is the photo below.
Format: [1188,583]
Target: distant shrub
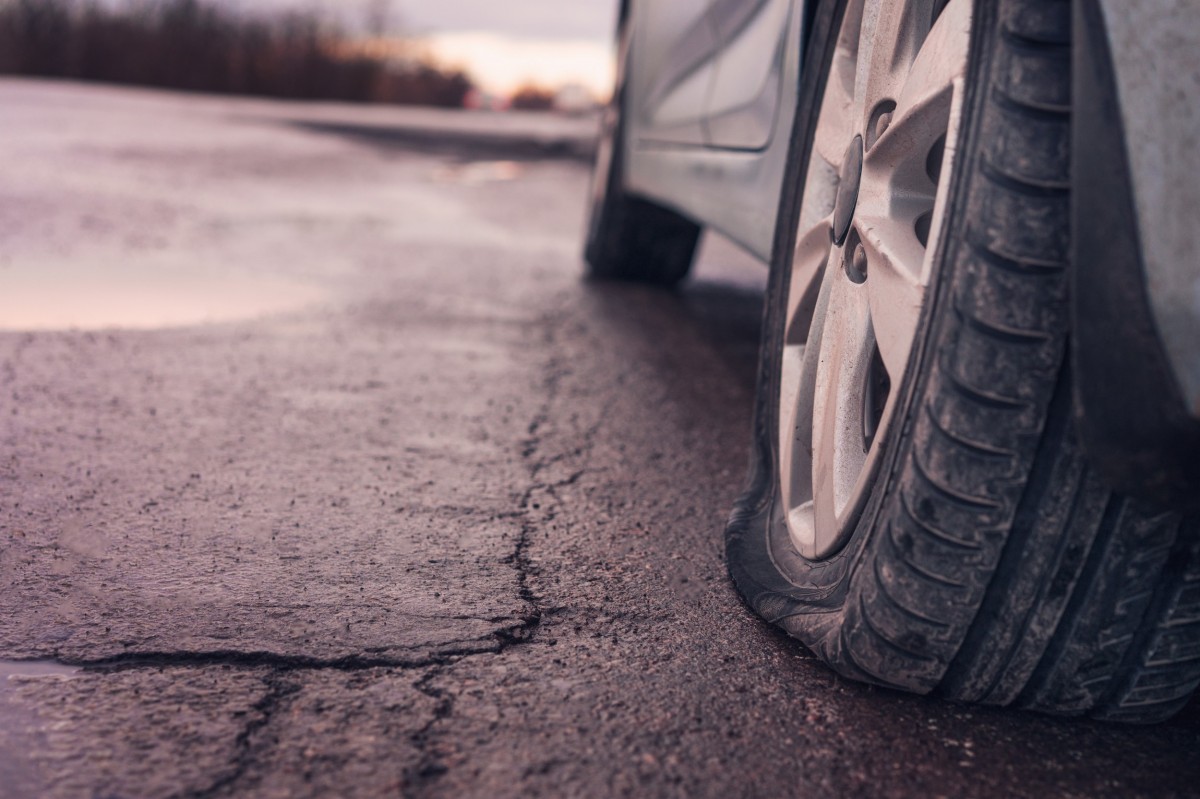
[532,98]
[195,45]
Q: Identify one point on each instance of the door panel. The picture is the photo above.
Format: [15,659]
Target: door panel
[733,191]
[745,96]
[672,67]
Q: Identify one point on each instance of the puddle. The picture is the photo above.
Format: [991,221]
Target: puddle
[21,734]
[27,668]
[33,668]
[96,296]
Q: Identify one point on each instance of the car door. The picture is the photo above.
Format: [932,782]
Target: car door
[671,71]
[745,93]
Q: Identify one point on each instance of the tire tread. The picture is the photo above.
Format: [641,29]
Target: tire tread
[992,565]
[1042,589]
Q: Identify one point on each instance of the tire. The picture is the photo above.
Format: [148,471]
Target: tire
[987,562]
[630,238]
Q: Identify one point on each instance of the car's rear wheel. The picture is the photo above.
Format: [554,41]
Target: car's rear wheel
[919,512]
[629,237]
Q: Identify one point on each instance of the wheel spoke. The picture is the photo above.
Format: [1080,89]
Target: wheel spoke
[845,354]
[896,171]
[808,265]
[836,122]
[942,60]
[893,256]
[923,103]
[797,379]
[807,300]
[900,174]
[890,38]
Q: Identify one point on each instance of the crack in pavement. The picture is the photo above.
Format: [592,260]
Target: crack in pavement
[433,764]
[279,692]
[283,663]
[282,676]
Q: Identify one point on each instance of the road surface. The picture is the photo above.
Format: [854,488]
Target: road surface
[322,473]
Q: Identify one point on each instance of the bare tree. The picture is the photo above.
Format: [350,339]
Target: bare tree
[379,18]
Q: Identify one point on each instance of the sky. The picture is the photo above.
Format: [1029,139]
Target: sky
[502,43]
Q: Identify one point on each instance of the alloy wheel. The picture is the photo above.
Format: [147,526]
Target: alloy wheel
[883,153]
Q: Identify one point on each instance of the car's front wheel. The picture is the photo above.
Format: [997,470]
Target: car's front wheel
[919,512]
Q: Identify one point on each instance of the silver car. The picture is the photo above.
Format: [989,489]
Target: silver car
[977,427]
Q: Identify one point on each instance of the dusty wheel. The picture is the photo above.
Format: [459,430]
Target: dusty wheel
[919,513]
[628,237]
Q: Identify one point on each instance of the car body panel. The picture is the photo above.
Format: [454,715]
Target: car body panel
[735,191]
[745,98]
[672,65]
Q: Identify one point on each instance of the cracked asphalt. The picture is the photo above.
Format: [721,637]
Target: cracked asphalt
[322,473]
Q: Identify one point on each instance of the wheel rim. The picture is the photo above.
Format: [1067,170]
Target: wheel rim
[883,153]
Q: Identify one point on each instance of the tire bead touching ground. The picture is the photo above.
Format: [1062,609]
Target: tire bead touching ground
[991,564]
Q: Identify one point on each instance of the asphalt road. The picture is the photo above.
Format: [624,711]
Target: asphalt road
[344,484]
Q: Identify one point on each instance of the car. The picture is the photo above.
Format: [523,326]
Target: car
[976,437]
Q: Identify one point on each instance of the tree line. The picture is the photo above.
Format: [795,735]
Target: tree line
[196,45]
